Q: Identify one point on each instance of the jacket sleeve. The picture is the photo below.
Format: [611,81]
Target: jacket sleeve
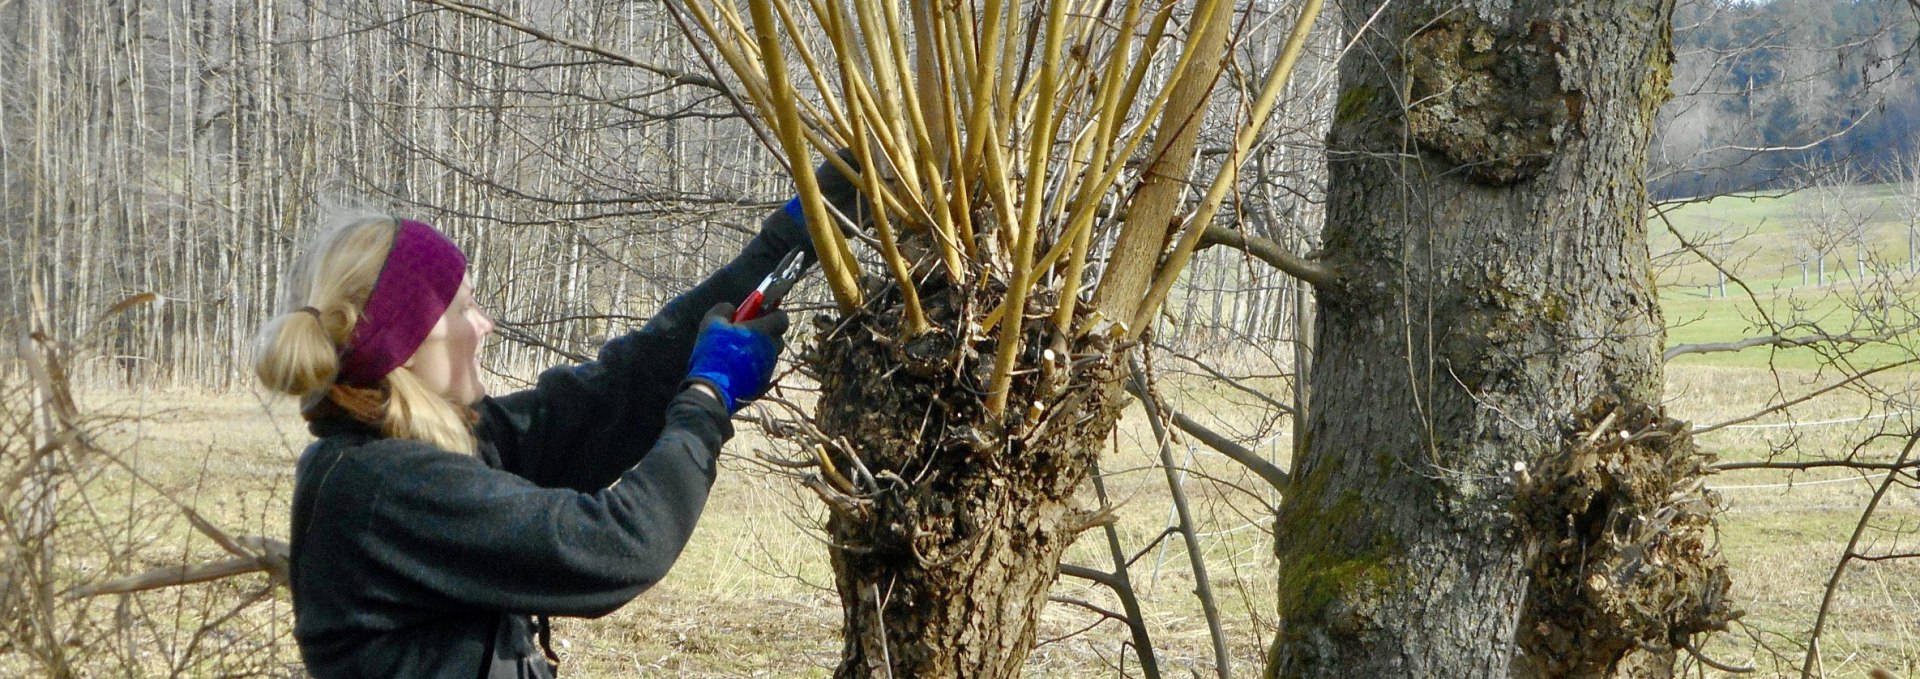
[451,531]
[580,426]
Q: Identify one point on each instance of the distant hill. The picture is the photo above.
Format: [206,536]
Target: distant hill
[1772,95]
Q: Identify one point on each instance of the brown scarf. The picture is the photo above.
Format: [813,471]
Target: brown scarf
[366,405]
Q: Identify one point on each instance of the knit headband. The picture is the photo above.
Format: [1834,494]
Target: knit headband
[416,284]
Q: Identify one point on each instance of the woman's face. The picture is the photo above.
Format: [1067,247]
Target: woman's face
[448,361]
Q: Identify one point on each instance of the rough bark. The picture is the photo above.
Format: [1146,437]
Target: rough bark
[947,522]
[1486,210]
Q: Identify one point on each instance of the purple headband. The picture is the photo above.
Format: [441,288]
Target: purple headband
[421,275]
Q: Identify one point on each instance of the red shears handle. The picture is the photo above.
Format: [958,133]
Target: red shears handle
[772,289]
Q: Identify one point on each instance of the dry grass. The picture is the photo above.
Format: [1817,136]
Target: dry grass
[752,595]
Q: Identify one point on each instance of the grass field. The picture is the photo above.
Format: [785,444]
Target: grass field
[752,596]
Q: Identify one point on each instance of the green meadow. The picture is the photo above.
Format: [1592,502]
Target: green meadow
[1771,247]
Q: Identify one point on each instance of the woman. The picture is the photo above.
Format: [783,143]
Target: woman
[433,524]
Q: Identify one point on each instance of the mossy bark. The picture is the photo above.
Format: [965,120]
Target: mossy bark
[1486,209]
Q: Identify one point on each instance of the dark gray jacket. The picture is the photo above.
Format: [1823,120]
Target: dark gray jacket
[411,561]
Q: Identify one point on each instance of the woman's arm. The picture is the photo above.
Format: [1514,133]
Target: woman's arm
[446,530]
[581,426]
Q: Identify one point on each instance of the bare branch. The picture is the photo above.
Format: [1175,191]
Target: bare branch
[1816,464]
[1803,399]
[673,75]
[1839,569]
[1316,273]
[273,561]
[1783,342]
[1202,585]
[1267,471]
[1093,574]
[1123,584]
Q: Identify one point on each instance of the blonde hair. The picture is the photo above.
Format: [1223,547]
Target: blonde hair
[298,353]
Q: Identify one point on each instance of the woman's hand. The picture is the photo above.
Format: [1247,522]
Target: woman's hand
[737,359]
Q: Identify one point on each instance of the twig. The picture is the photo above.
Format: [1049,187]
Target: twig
[1267,471]
[673,75]
[1839,569]
[1849,380]
[1710,662]
[1089,606]
[1202,585]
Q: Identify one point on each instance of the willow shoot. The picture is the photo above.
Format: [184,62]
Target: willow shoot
[996,138]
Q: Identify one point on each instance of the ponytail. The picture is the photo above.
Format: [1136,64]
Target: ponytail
[296,354]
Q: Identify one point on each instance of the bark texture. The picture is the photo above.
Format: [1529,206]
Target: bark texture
[949,523]
[1486,203]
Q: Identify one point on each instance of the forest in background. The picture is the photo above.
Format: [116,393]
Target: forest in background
[182,148]
[1776,95]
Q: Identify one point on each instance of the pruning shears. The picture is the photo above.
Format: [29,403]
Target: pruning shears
[773,288]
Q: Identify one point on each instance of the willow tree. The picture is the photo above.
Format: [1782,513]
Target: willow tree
[970,378]
[1488,486]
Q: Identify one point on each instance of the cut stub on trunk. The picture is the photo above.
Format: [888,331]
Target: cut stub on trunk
[1627,562]
[948,522]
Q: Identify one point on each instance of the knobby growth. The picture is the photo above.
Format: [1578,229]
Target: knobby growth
[1628,559]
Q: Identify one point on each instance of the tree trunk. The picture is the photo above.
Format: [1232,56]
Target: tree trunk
[947,530]
[1496,296]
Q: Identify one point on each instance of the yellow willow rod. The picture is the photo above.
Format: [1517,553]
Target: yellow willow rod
[981,101]
[742,67]
[959,207]
[827,98]
[869,110]
[758,91]
[909,77]
[916,73]
[1029,94]
[886,78]
[1003,92]
[748,40]
[1011,343]
[836,262]
[1083,214]
[913,207]
[745,60]
[1155,33]
[889,248]
[964,49]
[999,187]
[1229,171]
[1155,109]
[1106,120]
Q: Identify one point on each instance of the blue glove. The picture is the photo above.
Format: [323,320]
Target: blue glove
[737,359]
[785,229]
